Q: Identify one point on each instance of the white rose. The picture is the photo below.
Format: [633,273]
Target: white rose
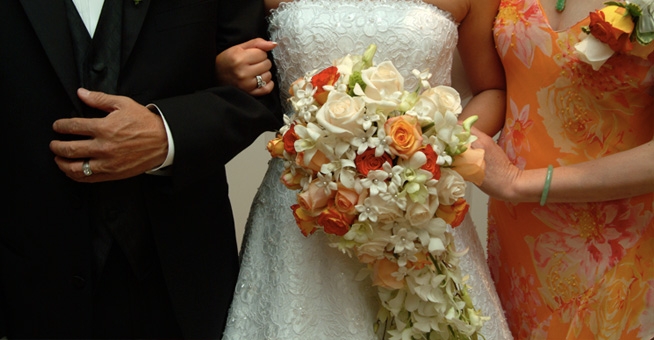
[594,52]
[388,210]
[383,83]
[426,110]
[446,98]
[450,187]
[341,113]
[376,246]
[419,214]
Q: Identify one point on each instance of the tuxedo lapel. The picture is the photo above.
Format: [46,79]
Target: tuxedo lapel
[133,17]
[49,21]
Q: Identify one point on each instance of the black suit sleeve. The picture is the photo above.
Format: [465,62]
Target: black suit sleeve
[225,121]
[210,127]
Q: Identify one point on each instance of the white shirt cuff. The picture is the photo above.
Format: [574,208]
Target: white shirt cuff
[171,145]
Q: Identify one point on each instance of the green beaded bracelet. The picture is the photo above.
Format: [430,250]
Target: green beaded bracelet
[546,188]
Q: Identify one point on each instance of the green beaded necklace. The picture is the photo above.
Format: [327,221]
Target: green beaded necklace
[560,5]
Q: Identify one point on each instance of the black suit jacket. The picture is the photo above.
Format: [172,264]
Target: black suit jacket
[167,58]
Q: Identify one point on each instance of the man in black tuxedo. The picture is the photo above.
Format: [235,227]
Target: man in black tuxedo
[100,236]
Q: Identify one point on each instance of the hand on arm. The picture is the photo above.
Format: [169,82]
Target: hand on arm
[239,66]
[129,141]
[625,174]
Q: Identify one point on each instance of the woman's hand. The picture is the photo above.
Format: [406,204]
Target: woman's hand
[240,65]
[500,175]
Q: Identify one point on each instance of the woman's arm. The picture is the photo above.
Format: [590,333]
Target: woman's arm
[621,175]
[482,66]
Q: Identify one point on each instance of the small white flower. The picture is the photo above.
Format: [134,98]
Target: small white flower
[375,182]
[403,241]
[367,211]
[325,181]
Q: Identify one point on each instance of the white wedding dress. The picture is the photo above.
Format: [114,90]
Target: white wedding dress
[295,287]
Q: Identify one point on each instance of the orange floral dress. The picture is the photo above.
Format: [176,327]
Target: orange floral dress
[571,271]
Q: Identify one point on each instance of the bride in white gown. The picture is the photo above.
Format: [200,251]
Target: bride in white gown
[296,287]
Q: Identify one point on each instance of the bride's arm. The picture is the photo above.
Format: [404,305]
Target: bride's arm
[482,66]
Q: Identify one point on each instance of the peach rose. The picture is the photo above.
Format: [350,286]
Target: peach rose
[335,222]
[314,198]
[382,274]
[304,220]
[346,199]
[367,161]
[470,165]
[276,147]
[314,163]
[405,134]
[290,180]
[328,76]
[455,213]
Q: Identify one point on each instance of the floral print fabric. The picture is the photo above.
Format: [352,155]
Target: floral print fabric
[571,271]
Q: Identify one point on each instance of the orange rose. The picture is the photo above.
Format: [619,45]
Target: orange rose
[455,213]
[314,198]
[290,180]
[382,270]
[367,161]
[405,134]
[346,199]
[335,222]
[605,32]
[304,220]
[431,164]
[276,147]
[289,139]
[328,76]
[314,163]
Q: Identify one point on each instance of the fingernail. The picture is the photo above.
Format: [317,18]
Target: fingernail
[84,92]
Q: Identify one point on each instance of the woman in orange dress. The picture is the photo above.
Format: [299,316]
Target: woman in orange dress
[571,249]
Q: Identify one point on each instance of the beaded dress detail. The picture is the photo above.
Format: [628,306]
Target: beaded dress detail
[296,287]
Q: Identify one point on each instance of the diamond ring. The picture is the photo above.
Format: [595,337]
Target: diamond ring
[260,82]
[86,168]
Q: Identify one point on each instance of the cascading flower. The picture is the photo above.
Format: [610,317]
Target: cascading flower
[377,170]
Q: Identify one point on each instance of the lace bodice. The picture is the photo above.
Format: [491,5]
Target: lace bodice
[413,34]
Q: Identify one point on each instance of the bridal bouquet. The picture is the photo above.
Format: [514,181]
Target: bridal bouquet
[381,170]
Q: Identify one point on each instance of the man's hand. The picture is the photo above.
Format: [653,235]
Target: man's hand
[239,66]
[129,141]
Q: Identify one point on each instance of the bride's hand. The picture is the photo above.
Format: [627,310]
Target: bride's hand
[500,175]
[240,65]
